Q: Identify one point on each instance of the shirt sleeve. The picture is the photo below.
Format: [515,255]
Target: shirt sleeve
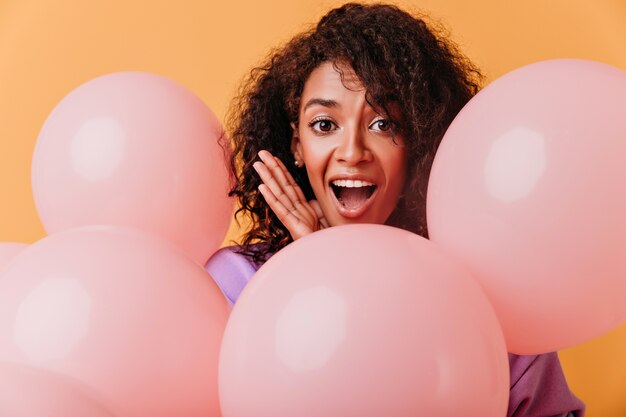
[231,271]
[539,388]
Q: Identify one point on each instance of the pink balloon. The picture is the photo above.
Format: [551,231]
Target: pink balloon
[363,320]
[134,149]
[122,312]
[8,251]
[527,189]
[31,392]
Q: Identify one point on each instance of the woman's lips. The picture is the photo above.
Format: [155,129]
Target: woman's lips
[355,205]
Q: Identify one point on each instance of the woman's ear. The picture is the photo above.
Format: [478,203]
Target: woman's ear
[296,148]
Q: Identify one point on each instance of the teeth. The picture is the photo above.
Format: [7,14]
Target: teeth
[352,183]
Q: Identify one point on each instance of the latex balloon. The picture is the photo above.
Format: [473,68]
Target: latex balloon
[134,149]
[8,251]
[31,392]
[124,313]
[363,320]
[527,190]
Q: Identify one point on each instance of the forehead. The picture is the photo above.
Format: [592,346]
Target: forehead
[332,78]
[337,82]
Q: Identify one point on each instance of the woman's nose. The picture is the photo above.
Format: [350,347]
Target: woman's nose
[353,148]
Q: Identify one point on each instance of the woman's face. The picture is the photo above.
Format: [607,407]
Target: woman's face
[355,162]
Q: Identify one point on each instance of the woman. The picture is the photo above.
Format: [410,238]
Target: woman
[341,126]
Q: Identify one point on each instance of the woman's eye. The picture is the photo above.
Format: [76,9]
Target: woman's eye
[322,125]
[382,125]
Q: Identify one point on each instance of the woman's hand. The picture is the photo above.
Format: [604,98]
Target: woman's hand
[286,199]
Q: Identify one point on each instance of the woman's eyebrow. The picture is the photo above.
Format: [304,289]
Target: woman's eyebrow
[320,102]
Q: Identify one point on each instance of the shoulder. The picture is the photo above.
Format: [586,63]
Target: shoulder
[539,388]
[231,270]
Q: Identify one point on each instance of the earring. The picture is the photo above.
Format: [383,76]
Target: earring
[296,163]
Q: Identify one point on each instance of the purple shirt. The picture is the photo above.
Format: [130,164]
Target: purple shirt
[538,386]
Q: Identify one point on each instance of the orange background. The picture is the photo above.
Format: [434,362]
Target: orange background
[47,48]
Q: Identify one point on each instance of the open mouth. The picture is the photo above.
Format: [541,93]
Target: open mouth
[352,195]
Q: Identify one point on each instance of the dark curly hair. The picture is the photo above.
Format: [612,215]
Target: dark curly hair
[398,58]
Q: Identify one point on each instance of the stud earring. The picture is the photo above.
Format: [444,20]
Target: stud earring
[296,163]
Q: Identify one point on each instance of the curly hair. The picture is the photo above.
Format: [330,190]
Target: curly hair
[398,58]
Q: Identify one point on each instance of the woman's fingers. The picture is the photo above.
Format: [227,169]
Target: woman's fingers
[270,185]
[283,185]
[290,180]
[295,186]
[273,185]
[319,213]
[286,199]
[271,162]
[297,228]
